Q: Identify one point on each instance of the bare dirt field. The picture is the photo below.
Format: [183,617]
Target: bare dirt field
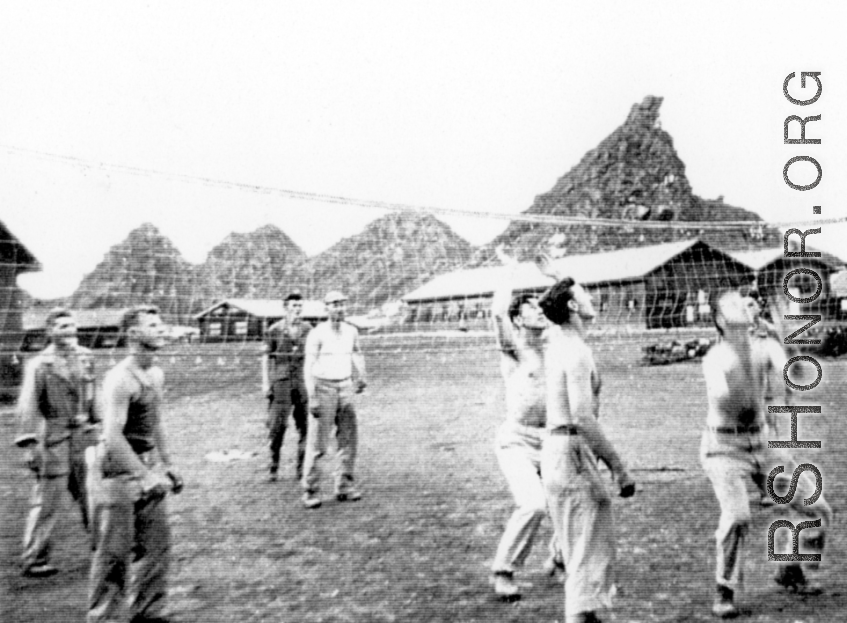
[418,546]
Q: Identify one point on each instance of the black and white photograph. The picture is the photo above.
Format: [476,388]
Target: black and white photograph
[389,312]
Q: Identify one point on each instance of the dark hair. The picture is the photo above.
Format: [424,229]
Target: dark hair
[132,316]
[294,296]
[554,302]
[517,302]
[54,314]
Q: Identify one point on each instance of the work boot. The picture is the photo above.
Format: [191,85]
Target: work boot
[792,579]
[724,606]
[505,587]
[311,499]
[346,491]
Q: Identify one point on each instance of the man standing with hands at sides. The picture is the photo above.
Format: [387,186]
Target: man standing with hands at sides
[128,486]
[519,324]
[574,441]
[282,380]
[742,375]
[56,410]
[334,371]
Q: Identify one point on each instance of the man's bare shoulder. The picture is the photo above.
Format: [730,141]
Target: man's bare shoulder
[567,352]
[156,376]
[717,353]
[36,362]
[119,378]
[771,348]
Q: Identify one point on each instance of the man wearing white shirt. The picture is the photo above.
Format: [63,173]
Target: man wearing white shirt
[333,372]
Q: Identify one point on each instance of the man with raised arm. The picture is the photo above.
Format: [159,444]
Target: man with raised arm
[129,479]
[56,411]
[579,504]
[334,371]
[743,375]
[519,325]
[282,380]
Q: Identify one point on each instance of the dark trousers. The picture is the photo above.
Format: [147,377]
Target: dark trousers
[287,397]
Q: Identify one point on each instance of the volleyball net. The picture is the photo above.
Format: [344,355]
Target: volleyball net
[413,283]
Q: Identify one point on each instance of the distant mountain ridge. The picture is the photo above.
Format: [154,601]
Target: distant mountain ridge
[391,256]
[633,176]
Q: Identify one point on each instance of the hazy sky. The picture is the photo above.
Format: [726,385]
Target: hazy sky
[464,105]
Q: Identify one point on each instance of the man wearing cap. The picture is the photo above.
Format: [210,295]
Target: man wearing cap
[334,371]
[57,417]
[282,380]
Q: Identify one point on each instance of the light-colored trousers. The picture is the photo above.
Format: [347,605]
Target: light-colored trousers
[47,500]
[45,504]
[581,510]
[518,451]
[128,576]
[732,460]
[335,408]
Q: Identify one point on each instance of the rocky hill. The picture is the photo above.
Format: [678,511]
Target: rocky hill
[144,268]
[393,255]
[633,175]
[259,264]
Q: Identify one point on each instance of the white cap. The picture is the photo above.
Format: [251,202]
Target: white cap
[334,297]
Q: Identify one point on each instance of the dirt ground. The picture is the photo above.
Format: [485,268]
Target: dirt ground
[418,546]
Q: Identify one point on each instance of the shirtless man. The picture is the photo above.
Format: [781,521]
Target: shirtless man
[334,371]
[520,326]
[743,374]
[574,442]
[128,481]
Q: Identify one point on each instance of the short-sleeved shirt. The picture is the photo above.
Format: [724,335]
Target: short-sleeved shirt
[286,353]
[333,351]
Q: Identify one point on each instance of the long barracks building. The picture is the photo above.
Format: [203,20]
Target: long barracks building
[656,286]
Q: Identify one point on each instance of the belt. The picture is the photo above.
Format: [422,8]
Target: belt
[567,429]
[735,430]
[333,381]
